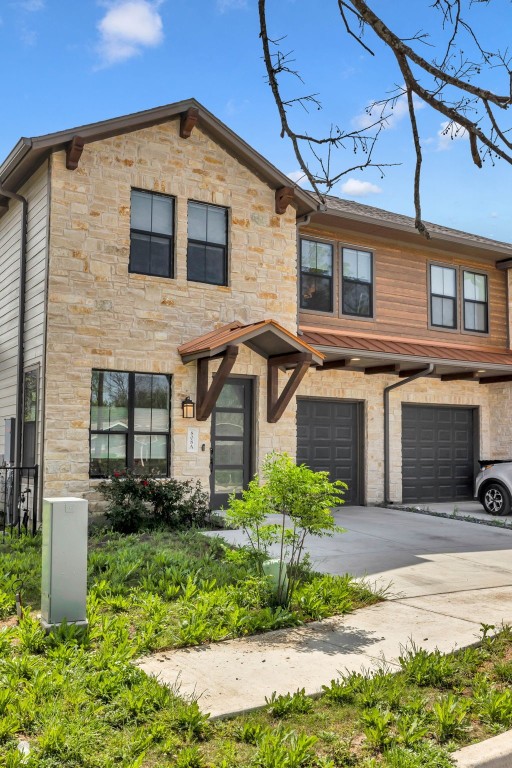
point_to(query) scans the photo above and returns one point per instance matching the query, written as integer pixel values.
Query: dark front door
(437, 453)
(231, 459)
(329, 439)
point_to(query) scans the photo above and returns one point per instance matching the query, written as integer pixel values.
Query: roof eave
(29, 153)
(492, 247)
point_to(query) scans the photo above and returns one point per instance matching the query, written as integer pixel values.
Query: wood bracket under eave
(284, 198)
(207, 394)
(276, 404)
(188, 122)
(74, 152)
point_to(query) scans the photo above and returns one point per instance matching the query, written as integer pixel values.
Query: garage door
(437, 453)
(328, 439)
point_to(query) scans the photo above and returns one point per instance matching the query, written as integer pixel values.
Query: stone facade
(101, 316)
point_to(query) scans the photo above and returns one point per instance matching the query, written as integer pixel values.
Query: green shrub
(303, 499)
(138, 501)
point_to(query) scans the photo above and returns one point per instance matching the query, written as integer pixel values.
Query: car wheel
(496, 500)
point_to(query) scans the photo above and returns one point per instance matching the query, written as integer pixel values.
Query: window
(475, 302)
(207, 244)
(151, 233)
(316, 276)
(30, 386)
(443, 296)
(129, 423)
(357, 283)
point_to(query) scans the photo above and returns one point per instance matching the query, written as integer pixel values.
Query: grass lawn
(78, 700)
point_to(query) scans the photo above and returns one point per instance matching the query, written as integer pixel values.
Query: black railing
(18, 499)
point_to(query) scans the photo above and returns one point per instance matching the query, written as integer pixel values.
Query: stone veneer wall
(353, 385)
(101, 316)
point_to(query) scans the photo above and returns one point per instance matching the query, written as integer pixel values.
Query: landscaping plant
(302, 498)
(137, 501)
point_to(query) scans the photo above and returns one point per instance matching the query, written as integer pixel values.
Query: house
(177, 306)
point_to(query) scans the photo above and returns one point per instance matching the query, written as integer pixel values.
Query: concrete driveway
(447, 578)
(417, 554)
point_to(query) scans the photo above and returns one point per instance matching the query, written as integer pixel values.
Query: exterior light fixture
(188, 407)
(481, 370)
(355, 359)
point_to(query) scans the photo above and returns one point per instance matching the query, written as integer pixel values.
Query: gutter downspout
(21, 320)
(387, 390)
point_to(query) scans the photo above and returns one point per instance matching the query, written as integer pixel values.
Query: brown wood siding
(401, 292)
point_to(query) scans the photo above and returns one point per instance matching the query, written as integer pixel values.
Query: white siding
(37, 193)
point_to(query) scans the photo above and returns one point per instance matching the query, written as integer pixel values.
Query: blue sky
(70, 63)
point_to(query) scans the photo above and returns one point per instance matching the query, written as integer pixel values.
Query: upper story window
(151, 233)
(443, 296)
(475, 302)
(129, 423)
(207, 243)
(357, 283)
(316, 262)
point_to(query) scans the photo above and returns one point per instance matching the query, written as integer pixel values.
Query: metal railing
(18, 499)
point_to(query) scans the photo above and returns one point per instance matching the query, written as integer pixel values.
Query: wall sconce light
(188, 408)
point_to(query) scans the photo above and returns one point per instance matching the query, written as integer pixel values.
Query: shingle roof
(352, 210)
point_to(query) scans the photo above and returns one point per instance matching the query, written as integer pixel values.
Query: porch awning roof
(266, 337)
(405, 353)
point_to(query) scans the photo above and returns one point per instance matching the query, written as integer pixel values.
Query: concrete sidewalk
(448, 577)
(237, 675)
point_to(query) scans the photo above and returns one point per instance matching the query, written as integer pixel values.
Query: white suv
(493, 486)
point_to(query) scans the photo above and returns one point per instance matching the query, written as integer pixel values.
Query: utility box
(64, 567)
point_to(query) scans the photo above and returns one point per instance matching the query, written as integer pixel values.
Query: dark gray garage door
(437, 453)
(328, 439)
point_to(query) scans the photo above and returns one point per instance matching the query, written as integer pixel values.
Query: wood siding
(37, 193)
(401, 291)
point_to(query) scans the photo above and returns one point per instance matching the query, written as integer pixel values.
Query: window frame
(213, 245)
(485, 303)
(433, 326)
(131, 432)
(171, 238)
(332, 278)
(342, 313)
(32, 370)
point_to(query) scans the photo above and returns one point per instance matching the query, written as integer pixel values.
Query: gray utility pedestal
(64, 572)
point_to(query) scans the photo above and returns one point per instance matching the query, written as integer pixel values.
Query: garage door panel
(437, 453)
(328, 440)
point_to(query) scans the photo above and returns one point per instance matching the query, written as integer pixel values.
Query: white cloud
(358, 188)
(448, 133)
(394, 114)
(230, 5)
(494, 215)
(32, 5)
(298, 177)
(127, 27)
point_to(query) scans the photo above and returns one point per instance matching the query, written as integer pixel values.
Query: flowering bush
(146, 501)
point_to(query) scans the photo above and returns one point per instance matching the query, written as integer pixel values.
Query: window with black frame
(443, 296)
(207, 260)
(316, 275)
(129, 423)
(30, 387)
(475, 302)
(357, 283)
(151, 234)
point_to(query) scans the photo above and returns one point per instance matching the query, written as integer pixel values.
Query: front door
(231, 459)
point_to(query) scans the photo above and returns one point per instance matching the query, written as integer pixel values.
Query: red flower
(144, 482)
(117, 474)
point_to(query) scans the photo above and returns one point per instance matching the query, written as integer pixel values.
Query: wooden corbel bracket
(74, 152)
(284, 198)
(276, 404)
(188, 122)
(206, 395)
